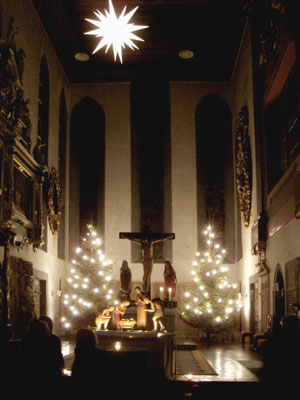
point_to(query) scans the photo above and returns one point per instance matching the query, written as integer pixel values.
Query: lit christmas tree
(212, 301)
(88, 284)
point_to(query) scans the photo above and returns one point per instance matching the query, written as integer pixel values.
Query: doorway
(39, 290)
(279, 296)
(254, 306)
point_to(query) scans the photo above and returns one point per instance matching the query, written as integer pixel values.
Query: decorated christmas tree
(88, 283)
(212, 301)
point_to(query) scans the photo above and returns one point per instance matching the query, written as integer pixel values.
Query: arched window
(43, 133)
(87, 163)
(215, 194)
(43, 108)
(61, 170)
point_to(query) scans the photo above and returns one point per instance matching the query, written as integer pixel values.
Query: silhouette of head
(48, 320)
(85, 338)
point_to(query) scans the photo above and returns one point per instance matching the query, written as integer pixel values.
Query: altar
(169, 318)
(156, 349)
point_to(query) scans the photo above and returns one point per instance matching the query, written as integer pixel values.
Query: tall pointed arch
(87, 165)
(43, 107)
(215, 190)
(151, 160)
(43, 134)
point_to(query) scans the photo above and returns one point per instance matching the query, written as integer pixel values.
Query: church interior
(195, 109)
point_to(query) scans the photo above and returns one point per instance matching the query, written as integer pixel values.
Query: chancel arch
(151, 161)
(87, 163)
(215, 188)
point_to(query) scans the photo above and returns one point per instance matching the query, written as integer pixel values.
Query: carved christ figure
(147, 240)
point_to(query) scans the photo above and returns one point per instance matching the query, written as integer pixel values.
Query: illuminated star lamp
(115, 31)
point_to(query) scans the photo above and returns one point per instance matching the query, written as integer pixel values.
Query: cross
(146, 240)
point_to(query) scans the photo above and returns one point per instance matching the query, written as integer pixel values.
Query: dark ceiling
(212, 29)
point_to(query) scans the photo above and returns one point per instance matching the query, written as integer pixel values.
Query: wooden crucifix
(146, 240)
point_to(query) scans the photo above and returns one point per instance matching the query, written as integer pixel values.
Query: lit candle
(161, 291)
(170, 295)
(117, 346)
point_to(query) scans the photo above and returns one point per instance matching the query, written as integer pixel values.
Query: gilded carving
(243, 165)
(54, 201)
(13, 107)
(269, 19)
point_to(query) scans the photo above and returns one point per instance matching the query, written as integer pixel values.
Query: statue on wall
(14, 107)
(170, 279)
(125, 279)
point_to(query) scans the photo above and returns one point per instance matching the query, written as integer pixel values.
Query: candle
(170, 295)
(161, 291)
(117, 346)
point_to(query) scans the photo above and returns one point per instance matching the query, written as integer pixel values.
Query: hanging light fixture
(115, 31)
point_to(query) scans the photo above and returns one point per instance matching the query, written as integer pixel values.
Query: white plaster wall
(184, 100)
(114, 98)
(243, 95)
(33, 39)
(283, 247)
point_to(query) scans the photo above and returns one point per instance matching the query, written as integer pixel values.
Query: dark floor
(238, 368)
(233, 362)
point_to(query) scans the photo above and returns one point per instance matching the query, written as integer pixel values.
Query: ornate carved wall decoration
(21, 300)
(13, 107)
(21, 182)
(243, 165)
(54, 201)
(214, 204)
(271, 31)
(268, 21)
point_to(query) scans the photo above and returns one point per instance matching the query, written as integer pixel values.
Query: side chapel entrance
(279, 296)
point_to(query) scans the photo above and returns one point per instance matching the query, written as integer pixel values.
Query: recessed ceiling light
(82, 57)
(186, 54)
